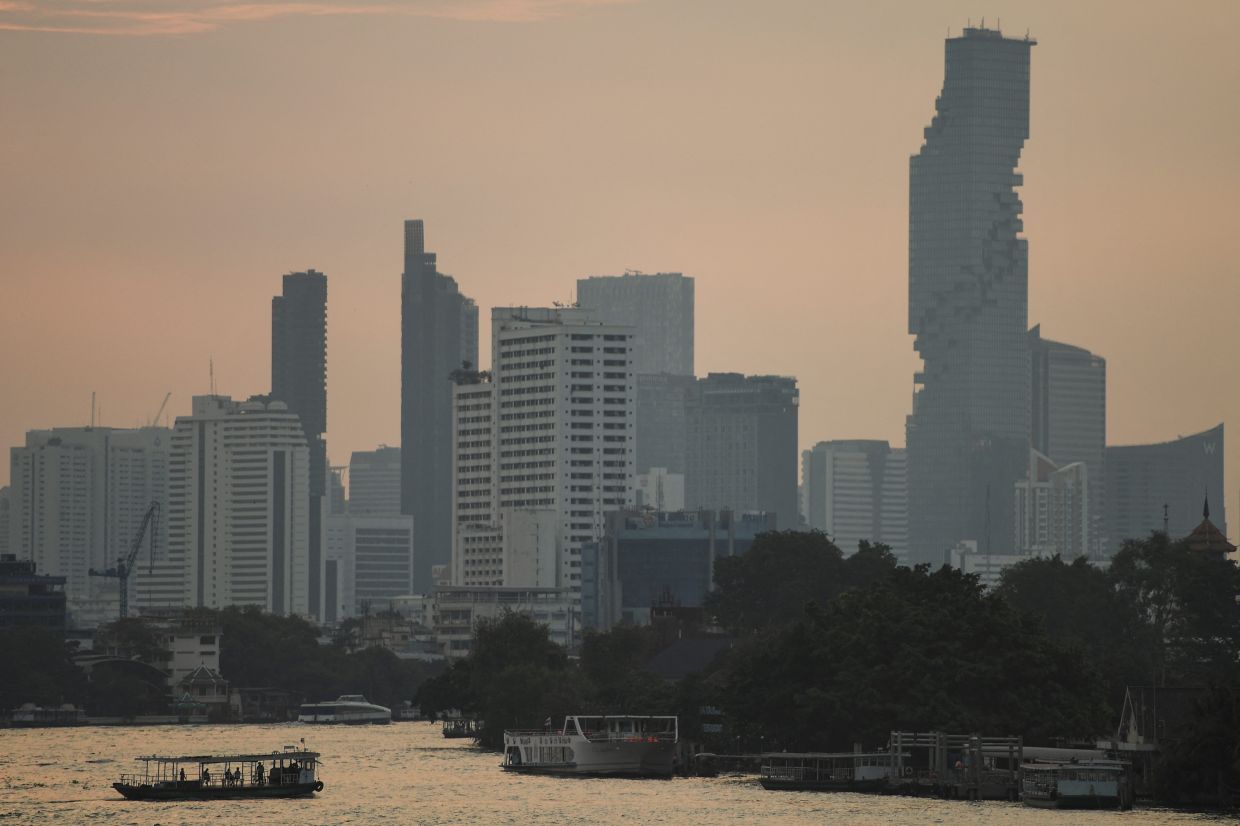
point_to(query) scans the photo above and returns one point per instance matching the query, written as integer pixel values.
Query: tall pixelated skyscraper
(968, 433)
(439, 332)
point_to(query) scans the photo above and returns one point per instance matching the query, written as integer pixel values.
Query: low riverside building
(458, 610)
(988, 567)
(656, 558)
(28, 598)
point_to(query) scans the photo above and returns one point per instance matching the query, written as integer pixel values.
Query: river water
(407, 773)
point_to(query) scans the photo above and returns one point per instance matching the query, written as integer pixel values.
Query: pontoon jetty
(596, 746)
(1086, 784)
(288, 773)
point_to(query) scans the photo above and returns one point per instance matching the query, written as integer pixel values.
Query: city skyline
(801, 241)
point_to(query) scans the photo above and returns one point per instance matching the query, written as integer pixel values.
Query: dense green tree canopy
(913, 650)
(782, 572)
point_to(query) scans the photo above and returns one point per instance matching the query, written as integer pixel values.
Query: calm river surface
(407, 773)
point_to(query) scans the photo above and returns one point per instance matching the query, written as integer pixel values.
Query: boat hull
(860, 786)
(193, 791)
(593, 759)
(1071, 802)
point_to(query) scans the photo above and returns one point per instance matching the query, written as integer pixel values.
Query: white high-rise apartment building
(858, 489)
(564, 423)
(77, 498)
(492, 546)
(238, 512)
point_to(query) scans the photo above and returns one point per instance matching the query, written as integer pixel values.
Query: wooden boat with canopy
(288, 773)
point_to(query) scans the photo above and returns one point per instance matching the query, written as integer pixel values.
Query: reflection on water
(407, 773)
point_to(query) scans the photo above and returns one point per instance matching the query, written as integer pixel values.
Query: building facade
(648, 559)
(238, 512)
(4, 521)
(564, 423)
(457, 610)
(370, 561)
(741, 450)
(658, 308)
(857, 489)
(77, 498)
(1053, 509)
(968, 433)
(28, 598)
(299, 379)
(439, 333)
(1161, 486)
(374, 481)
(1068, 415)
(662, 425)
(493, 546)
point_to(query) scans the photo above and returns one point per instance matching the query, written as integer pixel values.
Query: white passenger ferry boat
(596, 746)
(348, 708)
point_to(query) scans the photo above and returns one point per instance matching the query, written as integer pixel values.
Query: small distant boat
(290, 773)
(596, 746)
(407, 711)
(347, 709)
(1087, 784)
(455, 727)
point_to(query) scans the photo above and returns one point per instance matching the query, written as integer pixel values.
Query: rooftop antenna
(1166, 520)
(92, 408)
(211, 370)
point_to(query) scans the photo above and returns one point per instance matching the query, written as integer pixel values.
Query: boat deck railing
(598, 736)
(214, 782)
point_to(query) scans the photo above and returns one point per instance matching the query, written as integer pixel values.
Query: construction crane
(167, 396)
(124, 565)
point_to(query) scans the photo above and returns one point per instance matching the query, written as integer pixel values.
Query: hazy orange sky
(166, 161)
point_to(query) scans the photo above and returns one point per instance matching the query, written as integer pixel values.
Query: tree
(518, 677)
(1189, 599)
(1079, 604)
(913, 650)
(774, 579)
(613, 664)
(132, 639)
(782, 572)
(38, 669)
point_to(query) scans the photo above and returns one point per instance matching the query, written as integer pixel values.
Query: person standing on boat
(258, 774)
(182, 775)
(206, 777)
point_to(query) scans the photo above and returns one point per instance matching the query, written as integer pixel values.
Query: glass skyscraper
(438, 333)
(968, 433)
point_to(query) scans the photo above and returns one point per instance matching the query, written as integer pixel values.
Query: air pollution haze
(166, 163)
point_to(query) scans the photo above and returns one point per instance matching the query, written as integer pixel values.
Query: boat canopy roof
(624, 716)
(824, 755)
(1092, 765)
(233, 758)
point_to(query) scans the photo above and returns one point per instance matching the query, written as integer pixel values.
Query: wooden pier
(931, 764)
